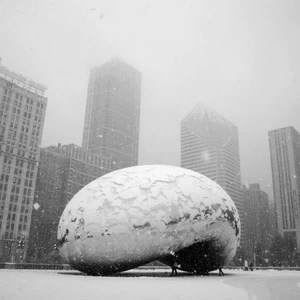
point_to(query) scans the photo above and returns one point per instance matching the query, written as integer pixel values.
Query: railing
(33, 266)
(263, 268)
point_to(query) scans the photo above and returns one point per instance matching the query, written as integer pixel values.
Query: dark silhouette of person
(174, 267)
(221, 273)
(251, 266)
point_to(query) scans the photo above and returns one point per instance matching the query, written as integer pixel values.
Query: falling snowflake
(36, 206)
(205, 156)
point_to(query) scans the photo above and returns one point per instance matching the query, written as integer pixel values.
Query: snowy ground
(148, 284)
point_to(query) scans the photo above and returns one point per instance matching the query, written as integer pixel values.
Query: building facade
(62, 172)
(285, 161)
(272, 220)
(210, 146)
(257, 234)
(22, 115)
(112, 117)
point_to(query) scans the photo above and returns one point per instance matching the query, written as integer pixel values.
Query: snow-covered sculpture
(135, 215)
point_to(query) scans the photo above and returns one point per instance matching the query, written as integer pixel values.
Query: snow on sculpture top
(138, 196)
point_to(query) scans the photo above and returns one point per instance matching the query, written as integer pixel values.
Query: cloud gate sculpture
(136, 215)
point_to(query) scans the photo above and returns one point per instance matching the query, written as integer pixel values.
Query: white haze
(241, 58)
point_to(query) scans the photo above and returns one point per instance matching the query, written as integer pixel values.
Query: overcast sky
(240, 58)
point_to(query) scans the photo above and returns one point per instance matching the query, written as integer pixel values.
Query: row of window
(85, 157)
(27, 115)
(4, 108)
(9, 234)
(4, 178)
(11, 225)
(29, 101)
(23, 142)
(24, 209)
(12, 134)
(7, 168)
(15, 189)
(21, 153)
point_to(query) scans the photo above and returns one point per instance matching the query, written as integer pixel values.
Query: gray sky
(240, 58)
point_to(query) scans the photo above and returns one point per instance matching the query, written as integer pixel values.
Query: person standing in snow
(251, 266)
(221, 273)
(174, 267)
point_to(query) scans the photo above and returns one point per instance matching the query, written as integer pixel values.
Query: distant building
(112, 117)
(22, 115)
(272, 220)
(285, 161)
(257, 236)
(210, 146)
(62, 172)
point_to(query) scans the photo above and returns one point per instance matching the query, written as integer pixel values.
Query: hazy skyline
(241, 59)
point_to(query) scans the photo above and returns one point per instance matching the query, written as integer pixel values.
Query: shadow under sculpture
(136, 215)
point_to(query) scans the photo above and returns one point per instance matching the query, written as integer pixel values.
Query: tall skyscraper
(257, 235)
(210, 146)
(62, 172)
(111, 126)
(285, 161)
(22, 115)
